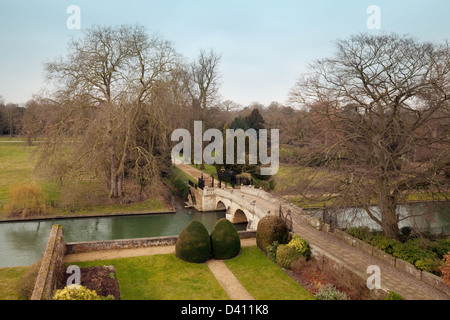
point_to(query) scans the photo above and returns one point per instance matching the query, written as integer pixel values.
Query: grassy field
(10, 281)
(17, 166)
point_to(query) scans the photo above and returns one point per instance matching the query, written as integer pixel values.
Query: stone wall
(90, 246)
(334, 266)
(400, 264)
(51, 266)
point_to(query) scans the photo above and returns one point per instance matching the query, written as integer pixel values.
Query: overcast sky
(265, 45)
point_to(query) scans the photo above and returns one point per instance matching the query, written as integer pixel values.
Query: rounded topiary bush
(286, 255)
(271, 229)
(225, 241)
(193, 243)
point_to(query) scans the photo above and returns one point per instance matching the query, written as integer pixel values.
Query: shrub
(445, 269)
(432, 265)
(329, 292)
(394, 296)
(26, 200)
(271, 228)
(286, 255)
(28, 281)
(385, 244)
(300, 245)
(193, 244)
(76, 292)
(272, 251)
(225, 241)
(361, 233)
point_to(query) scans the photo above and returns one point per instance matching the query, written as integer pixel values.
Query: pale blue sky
(265, 45)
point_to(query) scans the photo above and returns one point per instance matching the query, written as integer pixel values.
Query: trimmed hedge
(225, 241)
(270, 229)
(193, 243)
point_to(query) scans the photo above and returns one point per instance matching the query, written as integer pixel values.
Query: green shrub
(329, 292)
(300, 245)
(394, 296)
(385, 244)
(271, 228)
(361, 233)
(286, 255)
(272, 251)
(432, 265)
(193, 243)
(76, 292)
(225, 241)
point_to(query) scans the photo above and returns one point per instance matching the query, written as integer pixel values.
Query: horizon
(265, 45)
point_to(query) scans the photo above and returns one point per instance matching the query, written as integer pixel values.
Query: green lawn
(264, 279)
(163, 277)
(17, 166)
(9, 282)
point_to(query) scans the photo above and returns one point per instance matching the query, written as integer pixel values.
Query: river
(23, 243)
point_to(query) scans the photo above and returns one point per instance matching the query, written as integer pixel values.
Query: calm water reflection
(23, 243)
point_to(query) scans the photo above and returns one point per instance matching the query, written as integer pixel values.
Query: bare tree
(205, 75)
(106, 82)
(372, 106)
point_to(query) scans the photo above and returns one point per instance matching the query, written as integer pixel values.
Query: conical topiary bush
(225, 241)
(193, 243)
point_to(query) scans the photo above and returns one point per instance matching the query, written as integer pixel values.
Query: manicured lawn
(263, 278)
(163, 277)
(9, 282)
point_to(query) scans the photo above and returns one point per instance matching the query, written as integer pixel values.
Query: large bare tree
(379, 118)
(104, 85)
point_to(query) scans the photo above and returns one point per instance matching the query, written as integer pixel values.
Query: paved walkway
(391, 278)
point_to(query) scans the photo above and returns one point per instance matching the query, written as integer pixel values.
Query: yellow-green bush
(76, 292)
(26, 200)
(286, 255)
(300, 245)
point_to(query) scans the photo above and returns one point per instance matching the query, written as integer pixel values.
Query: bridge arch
(220, 206)
(239, 216)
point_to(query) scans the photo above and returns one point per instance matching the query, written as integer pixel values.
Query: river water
(432, 217)
(23, 243)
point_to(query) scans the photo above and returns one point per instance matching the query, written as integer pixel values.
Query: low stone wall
(335, 266)
(286, 205)
(51, 266)
(90, 246)
(400, 264)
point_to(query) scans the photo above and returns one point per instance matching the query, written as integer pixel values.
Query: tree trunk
(387, 204)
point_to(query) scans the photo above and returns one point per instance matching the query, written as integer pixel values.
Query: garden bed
(102, 279)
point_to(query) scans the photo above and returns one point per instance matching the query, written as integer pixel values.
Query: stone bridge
(244, 205)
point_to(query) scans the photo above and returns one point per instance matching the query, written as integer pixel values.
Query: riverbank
(89, 215)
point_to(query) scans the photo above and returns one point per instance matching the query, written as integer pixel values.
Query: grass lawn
(17, 166)
(263, 278)
(9, 282)
(163, 277)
